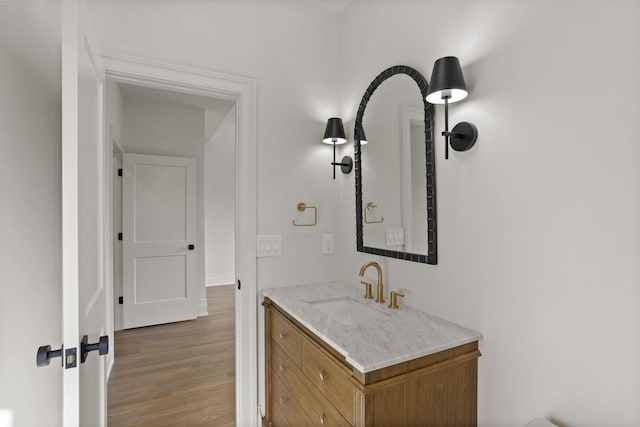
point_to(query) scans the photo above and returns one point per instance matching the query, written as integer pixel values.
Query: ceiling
(337, 6)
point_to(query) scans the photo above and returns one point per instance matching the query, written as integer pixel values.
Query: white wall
(220, 203)
(163, 129)
(539, 223)
(30, 137)
(290, 48)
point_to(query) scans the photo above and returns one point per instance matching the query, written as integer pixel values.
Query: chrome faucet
(380, 293)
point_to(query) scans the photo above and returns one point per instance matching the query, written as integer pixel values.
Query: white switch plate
(269, 245)
(327, 244)
(395, 236)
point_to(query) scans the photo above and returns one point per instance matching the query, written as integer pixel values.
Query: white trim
(408, 114)
(198, 81)
(117, 145)
(202, 310)
(221, 279)
(116, 181)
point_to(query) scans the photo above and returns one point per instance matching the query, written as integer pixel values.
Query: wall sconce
(361, 136)
(447, 86)
(334, 134)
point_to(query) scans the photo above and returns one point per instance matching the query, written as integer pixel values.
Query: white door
(159, 239)
(84, 299)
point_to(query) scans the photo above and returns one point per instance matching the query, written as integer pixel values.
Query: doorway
(175, 238)
(240, 92)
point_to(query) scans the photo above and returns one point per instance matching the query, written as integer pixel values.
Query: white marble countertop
(397, 336)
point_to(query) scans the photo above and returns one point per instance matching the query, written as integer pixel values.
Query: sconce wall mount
(447, 85)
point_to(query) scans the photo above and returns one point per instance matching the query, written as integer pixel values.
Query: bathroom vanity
(335, 358)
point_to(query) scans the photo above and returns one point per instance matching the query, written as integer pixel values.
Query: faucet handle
(368, 292)
(394, 299)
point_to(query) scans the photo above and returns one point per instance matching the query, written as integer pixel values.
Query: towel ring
(371, 206)
(303, 207)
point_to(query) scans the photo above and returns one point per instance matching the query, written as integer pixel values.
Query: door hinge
(119, 172)
(239, 284)
(119, 236)
(120, 300)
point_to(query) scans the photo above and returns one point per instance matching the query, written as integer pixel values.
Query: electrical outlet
(327, 244)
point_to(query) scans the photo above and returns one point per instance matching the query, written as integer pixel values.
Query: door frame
(197, 81)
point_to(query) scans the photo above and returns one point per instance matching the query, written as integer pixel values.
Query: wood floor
(178, 374)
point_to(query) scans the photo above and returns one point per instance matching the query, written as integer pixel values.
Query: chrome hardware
(282, 336)
(323, 375)
(283, 400)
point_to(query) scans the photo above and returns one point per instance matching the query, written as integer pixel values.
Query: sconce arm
(452, 134)
(346, 165)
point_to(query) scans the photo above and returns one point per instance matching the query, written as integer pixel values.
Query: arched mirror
(395, 168)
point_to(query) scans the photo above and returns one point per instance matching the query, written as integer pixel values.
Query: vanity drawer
(277, 418)
(317, 408)
(285, 406)
(286, 335)
(328, 377)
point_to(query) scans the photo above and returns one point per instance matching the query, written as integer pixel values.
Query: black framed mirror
(395, 174)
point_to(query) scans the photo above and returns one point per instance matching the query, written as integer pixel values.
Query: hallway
(177, 374)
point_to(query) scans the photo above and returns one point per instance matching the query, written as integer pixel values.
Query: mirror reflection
(396, 205)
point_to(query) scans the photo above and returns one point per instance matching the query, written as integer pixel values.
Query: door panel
(159, 269)
(160, 200)
(83, 226)
(160, 278)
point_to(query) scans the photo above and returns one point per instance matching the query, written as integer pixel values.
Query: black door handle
(102, 346)
(191, 247)
(45, 354)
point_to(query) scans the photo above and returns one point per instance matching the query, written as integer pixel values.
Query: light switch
(269, 245)
(395, 236)
(327, 244)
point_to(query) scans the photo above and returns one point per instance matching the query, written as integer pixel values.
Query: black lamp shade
(334, 133)
(361, 136)
(446, 82)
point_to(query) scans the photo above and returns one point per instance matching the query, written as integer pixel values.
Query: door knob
(102, 346)
(192, 247)
(45, 354)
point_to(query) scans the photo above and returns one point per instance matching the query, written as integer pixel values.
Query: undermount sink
(347, 310)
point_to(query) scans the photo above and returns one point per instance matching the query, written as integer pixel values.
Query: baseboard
(202, 308)
(221, 279)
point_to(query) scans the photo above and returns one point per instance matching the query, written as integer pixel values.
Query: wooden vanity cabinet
(308, 383)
